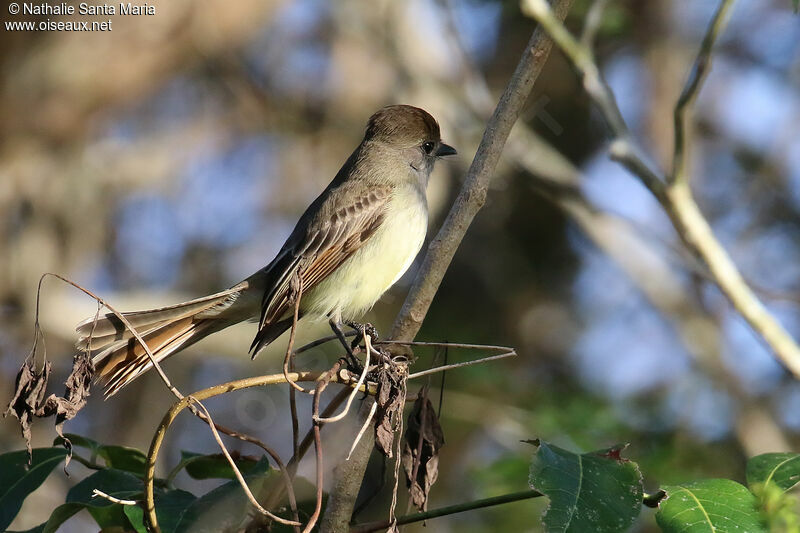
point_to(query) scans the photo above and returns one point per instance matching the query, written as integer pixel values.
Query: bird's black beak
(445, 149)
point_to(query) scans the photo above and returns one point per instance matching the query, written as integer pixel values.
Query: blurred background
(170, 158)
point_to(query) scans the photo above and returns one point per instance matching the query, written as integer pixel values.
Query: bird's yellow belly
(353, 288)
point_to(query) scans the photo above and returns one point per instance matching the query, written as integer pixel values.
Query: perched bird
(351, 244)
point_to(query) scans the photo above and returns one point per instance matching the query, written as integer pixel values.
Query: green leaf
(135, 516)
(107, 514)
(107, 480)
(124, 458)
(18, 480)
(597, 491)
(708, 506)
(61, 514)
(170, 505)
(79, 441)
(117, 457)
(215, 466)
(783, 469)
(224, 508)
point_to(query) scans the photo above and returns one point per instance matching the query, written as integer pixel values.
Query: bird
(352, 243)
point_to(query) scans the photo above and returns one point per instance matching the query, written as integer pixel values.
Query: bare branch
(288, 360)
(444, 511)
(702, 64)
(348, 476)
(322, 340)
(353, 394)
(583, 60)
(285, 476)
(321, 384)
(276, 495)
(237, 472)
(96, 493)
(473, 192)
(184, 403)
(593, 19)
(372, 410)
(288, 365)
(675, 197)
(127, 325)
(434, 370)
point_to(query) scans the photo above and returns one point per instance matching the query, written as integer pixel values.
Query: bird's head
(409, 134)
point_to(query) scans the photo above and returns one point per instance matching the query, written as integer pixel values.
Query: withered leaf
(390, 400)
(30, 387)
(29, 390)
(78, 386)
(423, 439)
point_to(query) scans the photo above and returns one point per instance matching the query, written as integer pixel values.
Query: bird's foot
(337, 330)
(367, 328)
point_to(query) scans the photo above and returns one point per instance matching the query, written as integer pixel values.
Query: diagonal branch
(702, 64)
(348, 476)
(473, 192)
(675, 195)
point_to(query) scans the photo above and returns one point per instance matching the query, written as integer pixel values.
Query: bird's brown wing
(340, 227)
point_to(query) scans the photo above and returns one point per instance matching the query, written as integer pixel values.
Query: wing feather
(314, 255)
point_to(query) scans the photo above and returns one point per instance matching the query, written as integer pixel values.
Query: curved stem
(444, 511)
(185, 402)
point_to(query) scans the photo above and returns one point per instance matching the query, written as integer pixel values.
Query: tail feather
(100, 343)
(119, 358)
(269, 333)
(127, 362)
(110, 324)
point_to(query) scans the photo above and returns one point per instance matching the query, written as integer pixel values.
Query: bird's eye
(428, 146)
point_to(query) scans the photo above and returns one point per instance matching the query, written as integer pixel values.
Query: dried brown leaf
(390, 400)
(424, 437)
(31, 385)
(29, 390)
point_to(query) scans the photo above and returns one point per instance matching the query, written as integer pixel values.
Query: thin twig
(449, 345)
(444, 511)
(700, 69)
(100, 494)
(372, 410)
(317, 424)
(287, 480)
(290, 360)
(236, 470)
(675, 197)
(276, 495)
(184, 403)
(650, 500)
(354, 393)
(289, 355)
(594, 84)
(592, 23)
(451, 366)
(164, 378)
(398, 437)
(323, 340)
(305, 444)
(129, 327)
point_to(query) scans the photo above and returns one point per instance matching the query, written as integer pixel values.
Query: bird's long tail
(119, 358)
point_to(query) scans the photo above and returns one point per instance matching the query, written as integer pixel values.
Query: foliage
(121, 477)
(597, 491)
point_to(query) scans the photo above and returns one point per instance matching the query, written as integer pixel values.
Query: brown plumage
(350, 245)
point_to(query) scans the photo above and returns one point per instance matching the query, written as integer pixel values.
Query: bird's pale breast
(354, 287)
